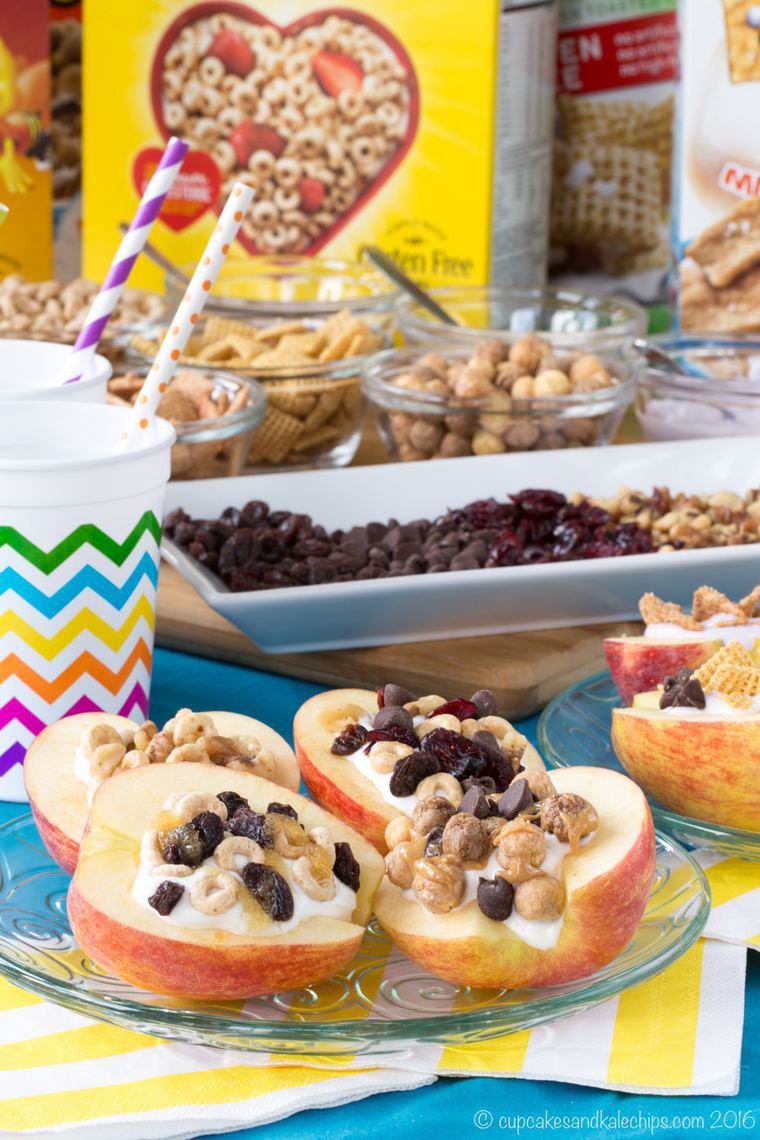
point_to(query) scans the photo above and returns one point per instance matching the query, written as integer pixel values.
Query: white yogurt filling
(715, 705)
(235, 920)
(714, 630)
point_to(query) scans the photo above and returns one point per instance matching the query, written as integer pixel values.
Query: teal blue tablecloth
(462, 1107)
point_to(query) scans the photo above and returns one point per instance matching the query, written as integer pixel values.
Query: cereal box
(617, 65)
(425, 129)
(25, 177)
(66, 134)
(717, 230)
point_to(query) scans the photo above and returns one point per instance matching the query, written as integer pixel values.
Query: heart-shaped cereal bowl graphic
(316, 115)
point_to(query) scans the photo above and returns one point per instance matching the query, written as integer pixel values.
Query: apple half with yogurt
(674, 640)
(70, 759)
(694, 744)
(206, 882)
(368, 756)
(538, 886)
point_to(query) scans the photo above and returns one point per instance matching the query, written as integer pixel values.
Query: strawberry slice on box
(312, 193)
(236, 55)
(248, 137)
(336, 73)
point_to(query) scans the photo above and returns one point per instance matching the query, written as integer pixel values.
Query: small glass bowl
(217, 446)
(417, 424)
(284, 288)
(716, 390)
(569, 320)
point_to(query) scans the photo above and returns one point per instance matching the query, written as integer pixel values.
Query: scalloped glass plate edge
(599, 693)
(674, 921)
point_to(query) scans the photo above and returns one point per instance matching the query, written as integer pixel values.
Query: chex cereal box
(617, 63)
(717, 223)
(423, 128)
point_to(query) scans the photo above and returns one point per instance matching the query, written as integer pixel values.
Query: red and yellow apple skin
(706, 767)
(58, 798)
(138, 945)
(607, 887)
(334, 781)
(638, 664)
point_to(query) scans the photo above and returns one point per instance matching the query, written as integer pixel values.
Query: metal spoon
(655, 356)
(391, 270)
(163, 262)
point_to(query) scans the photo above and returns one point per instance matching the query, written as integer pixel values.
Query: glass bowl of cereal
(713, 389)
(441, 405)
(266, 288)
(568, 319)
(311, 371)
(215, 416)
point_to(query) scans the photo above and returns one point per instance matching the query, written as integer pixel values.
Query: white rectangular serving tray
(466, 602)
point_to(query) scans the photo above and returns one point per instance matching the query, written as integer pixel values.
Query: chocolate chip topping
(682, 691)
(485, 703)
(475, 802)
(434, 845)
(393, 716)
(495, 897)
(517, 798)
(396, 695)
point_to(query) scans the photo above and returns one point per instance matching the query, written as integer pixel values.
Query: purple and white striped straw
(127, 254)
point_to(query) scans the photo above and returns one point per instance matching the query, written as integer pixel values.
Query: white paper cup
(79, 552)
(32, 370)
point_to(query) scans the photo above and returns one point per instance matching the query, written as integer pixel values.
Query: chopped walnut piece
(654, 611)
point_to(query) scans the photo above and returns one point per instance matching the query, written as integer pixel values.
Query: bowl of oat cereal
(310, 369)
(567, 319)
(214, 414)
(442, 405)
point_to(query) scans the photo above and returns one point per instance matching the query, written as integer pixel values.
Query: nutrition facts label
(522, 145)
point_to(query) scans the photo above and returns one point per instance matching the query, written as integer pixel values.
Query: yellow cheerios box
(423, 128)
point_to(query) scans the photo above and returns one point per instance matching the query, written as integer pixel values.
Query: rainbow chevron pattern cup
(80, 526)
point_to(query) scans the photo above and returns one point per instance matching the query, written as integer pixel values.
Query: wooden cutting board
(525, 670)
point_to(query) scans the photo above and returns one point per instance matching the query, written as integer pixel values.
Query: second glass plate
(379, 1006)
(574, 729)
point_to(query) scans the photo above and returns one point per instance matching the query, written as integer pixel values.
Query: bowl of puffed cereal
(215, 416)
(310, 369)
(497, 397)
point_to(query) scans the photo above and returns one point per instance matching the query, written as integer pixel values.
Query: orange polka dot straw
(192, 303)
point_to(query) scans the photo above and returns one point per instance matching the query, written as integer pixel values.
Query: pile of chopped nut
(430, 853)
(678, 521)
(452, 743)
(246, 854)
(188, 736)
(56, 307)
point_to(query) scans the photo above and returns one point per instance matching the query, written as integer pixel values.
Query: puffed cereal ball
(523, 388)
(552, 382)
(425, 437)
(486, 443)
(526, 352)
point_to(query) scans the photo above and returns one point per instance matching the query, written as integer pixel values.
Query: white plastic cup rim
(22, 361)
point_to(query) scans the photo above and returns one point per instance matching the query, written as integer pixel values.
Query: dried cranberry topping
(398, 733)
(350, 740)
(460, 708)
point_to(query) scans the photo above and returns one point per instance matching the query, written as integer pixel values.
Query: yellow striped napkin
(735, 888)
(63, 1072)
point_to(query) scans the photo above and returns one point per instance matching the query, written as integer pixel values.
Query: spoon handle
(391, 270)
(160, 260)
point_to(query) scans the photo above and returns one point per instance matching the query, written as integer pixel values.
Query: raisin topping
(166, 896)
(283, 809)
(495, 898)
(210, 829)
(682, 691)
(253, 825)
(411, 771)
(188, 842)
(232, 801)
(270, 890)
(346, 866)
(350, 740)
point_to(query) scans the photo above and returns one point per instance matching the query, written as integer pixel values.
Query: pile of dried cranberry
(256, 548)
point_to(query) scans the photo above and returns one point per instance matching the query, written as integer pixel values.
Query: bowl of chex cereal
(311, 372)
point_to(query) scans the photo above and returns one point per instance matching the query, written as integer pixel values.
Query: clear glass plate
(574, 729)
(379, 1007)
